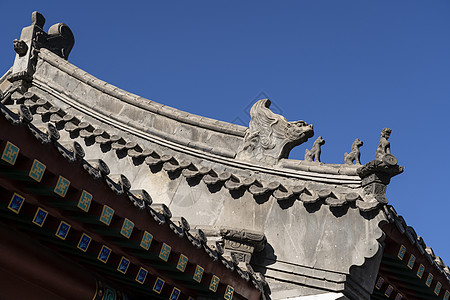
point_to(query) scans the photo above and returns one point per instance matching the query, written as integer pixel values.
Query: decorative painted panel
(37, 170)
(389, 291)
(16, 203)
(229, 293)
(447, 295)
(104, 253)
(379, 283)
(175, 294)
(63, 230)
(62, 186)
(85, 201)
(182, 262)
(142, 274)
(198, 274)
(123, 265)
(411, 261)
(107, 214)
(165, 252)
(10, 153)
(214, 283)
(399, 297)
(429, 280)
(146, 240)
(40, 216)
(401, 252)
(127, 228)
(437, 289)
(84, 242)
(159, 284)
(420, 271)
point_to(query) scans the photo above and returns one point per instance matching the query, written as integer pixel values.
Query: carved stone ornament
(355, 154)
(314, 153)
(20, 47)
(384, 146)
(271, 137)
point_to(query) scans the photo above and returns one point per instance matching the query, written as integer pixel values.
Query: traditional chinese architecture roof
(261, 222)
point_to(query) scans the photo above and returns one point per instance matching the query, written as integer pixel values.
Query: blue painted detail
(411, 261)
(123, 265)
(159, 284)
(182, 262)
(437, 289)
(10, 153)
(104, 253)
(165, 252)
(429, 279)
(420, 271)
(175, 294)
(127, 228)
(84, 242)
(214, 283)
(401, 252)
(85, 201)
(16, 203)
(63, 230)
(107, 214)
(229, 293)
(40, 216)
(62, 186)
(37, 170)
(398, 297)
(146, 240)
(447, 295)
(142, 274)
(389, 291)
(110, 294)
(379, 283)
(198, 274)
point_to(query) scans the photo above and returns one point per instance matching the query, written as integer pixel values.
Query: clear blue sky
(349, 67)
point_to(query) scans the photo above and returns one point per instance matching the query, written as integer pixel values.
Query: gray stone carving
(20, 47)
(271, 137)
(314, 153)
(355, 154)
(384, 146)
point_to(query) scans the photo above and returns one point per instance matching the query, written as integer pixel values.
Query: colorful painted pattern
(16, 203)
(159, 284)
(84, 242)
(10, 153)
(389, 291)
(63, 230)
(142, 274)
(40, 216)
(104, 253)
(398, 297)
(198, 274)
(420, 271)
(175, 294)
(62, 186)
(411, 261)
(447, 295)
(127, 228)
(429, 279)
(123, 265)
(379, 283)
(437, 289)
(37, 170)
(85, 201)
(146, 240)
(107, 214)
(229, 293)
(165, 252)
(401, 252)
(214, 283)
(182, 263)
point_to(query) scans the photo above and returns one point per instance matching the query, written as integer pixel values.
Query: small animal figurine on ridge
(384, 146)
(354, 155)
(314, 153)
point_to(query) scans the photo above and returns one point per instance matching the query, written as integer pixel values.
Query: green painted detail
(127, 228)
(214, 283)
(85, 201)
(37, 170)
(198, 274)
(62, 186)
(229, 293)
(165, 252)
(10, 153)
(182, 262)
(107, 214)
(146, 240)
